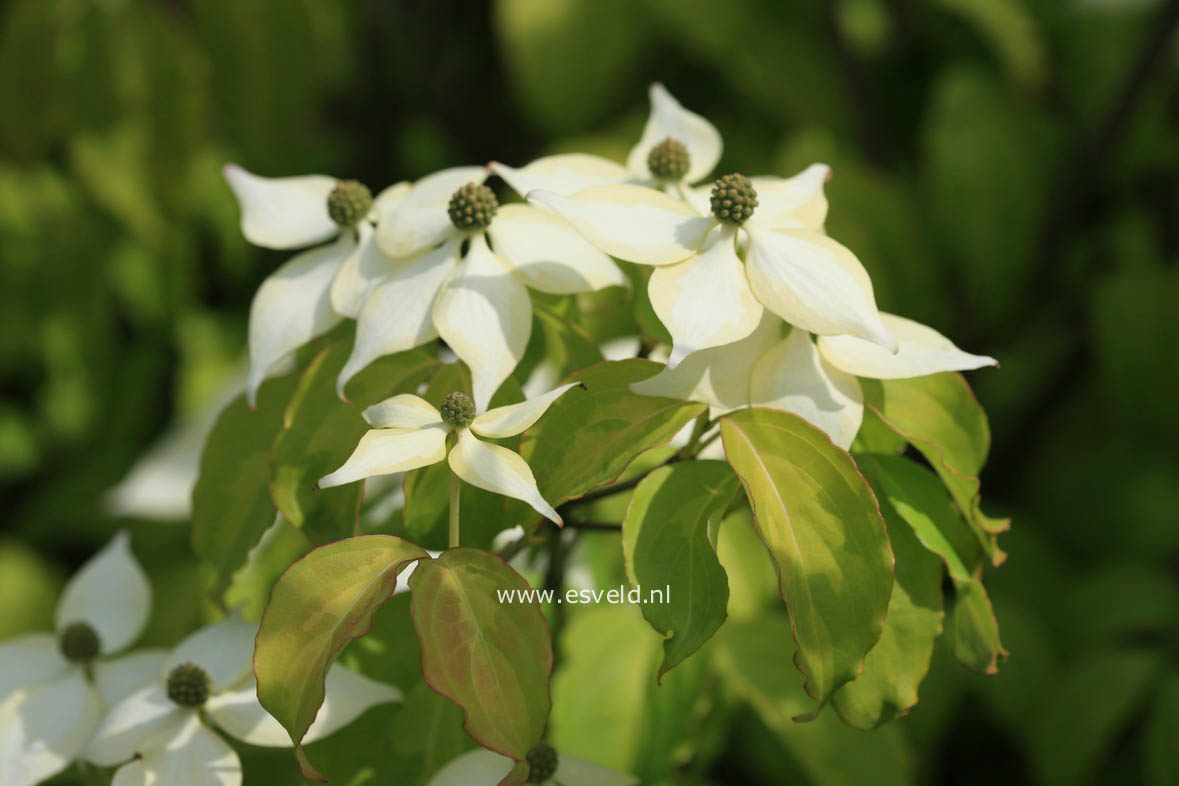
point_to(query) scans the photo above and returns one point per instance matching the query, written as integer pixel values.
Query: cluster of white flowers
(745, 278)
(72, 696)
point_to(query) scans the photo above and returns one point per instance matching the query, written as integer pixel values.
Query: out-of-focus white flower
(761, 247)
(302, 299)
(162, 733)
(678, 147)
(408, 432)
(814, 379)
(482, 767)
(53, 688)
(451, 261)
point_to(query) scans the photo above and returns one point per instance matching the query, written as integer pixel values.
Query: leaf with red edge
(490, 656)
(322, 602)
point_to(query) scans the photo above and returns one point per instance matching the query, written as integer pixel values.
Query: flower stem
(454, 510)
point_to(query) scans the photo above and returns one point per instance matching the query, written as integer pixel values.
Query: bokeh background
(1007, 171)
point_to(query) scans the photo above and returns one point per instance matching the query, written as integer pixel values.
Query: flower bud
(733, 199)
(188, 685)
(543, 761)
(349, 202)
(669, 160)
(457, 410)
(472, 207)
(79, 643)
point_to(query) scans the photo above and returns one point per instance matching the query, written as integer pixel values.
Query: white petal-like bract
(631, 222)
(419, 221)
(291, 307)
(485, 315)
(510, 420)
(922, 351)
(44, 728)
(498, 470)
(404, 411)
(283, 212)
(118, 678)
(705, 301)
(564, 173)
(814, 283)
(398, 313)
(141, 722)
(28, 660)
(668, 118)
(111, 594)
(387, 450)
(549, 254)
(225, 650)
(792, 377)
(194, 756)
(792, 202)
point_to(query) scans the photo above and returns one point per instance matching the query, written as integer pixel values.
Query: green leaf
(972, 631)
(490, 657)
(748, 658)
(895, 667)
(322, 602)
(567, 346)
(665, 543)
(230, 504)
(939, 415)
(918, 498)
(1084, 711)
(607, 706)
(587, 440)
(320, 432)
(1160, 753)
(820, 522)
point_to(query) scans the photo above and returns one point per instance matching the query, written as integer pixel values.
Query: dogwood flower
(453, 262)
(678, 147)
(163, 733)
(53, 688)
(481, 767)
(815, 379)
(761, 247)
(408, 432)
(303, 299)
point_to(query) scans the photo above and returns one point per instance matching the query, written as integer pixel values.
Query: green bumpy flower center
(79, 643)
(543, 761)
(349, 202)
(472, 207)
(733, 199)
(188, 685)
(457, 410)
(669, 160)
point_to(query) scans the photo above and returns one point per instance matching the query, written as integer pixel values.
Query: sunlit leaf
(665, 542)
(821, 524)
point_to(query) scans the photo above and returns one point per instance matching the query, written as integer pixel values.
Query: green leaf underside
(322, 602)
(321, 431)
(917, 497)
(939, 415)
(748, 658)
(893, 671)
(588, 439)
(231, 508)
(820, 522)
(491, 658)
(665, 543)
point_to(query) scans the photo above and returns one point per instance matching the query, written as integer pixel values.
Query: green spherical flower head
(349, 202)
(79, 643)
(472, 207)
(669, 160)
(188, 685)
(457, 410)
(733, 199)
(543, 761)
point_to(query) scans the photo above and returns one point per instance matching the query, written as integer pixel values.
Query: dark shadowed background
(1007, 171)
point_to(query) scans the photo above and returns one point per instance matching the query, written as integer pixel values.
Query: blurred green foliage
(1007, 170)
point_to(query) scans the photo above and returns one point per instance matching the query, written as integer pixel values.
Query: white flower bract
(482, 767)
